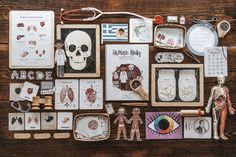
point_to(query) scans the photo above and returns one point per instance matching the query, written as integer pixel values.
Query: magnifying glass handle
(142, 93)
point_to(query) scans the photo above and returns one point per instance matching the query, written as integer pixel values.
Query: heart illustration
(18, 90)
(30, 90)
(42, 23)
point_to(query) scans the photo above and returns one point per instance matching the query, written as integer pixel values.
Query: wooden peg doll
(60, 57)
(136, 119)
(121, 120)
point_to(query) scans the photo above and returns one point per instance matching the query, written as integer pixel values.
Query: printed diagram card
(91, 94)
(66, 95)
(16, 121)
(15, 90)
(31, 39)
(126, 63)
(114, 32)
(29, 90)
(64, 120)
(197, 127)
(141, 31)
(48, 121)
(163, 125)
(32, 121)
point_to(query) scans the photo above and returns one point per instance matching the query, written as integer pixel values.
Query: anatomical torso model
(219, 101)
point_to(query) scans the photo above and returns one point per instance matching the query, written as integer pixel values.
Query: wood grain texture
(70, 147)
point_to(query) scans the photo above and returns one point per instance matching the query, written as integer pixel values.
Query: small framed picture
(114, 32)
(177, 85)
(91, 94)
(82, 48)
(141, 31)
(31, 39)
(66, 94)
(197, 127)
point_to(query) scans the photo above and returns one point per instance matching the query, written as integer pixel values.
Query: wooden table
(70, 147)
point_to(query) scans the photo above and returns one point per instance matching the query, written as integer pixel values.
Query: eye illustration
(163, 125)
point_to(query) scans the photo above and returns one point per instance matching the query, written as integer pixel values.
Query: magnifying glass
(136, 86)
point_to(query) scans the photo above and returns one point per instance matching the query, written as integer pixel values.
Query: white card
(197, 127)
(16, 121)
(91, 94)
(126, 62)
(66, 95)
(64, 120)
(15, 90)
(48, 121)
(215, 61)
(141, 31)
(29, 90)
(32, 121)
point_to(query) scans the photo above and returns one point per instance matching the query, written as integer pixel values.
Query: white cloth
(60, 57)
(123, 76)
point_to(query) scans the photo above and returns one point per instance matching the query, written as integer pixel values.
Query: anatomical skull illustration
(78, 49)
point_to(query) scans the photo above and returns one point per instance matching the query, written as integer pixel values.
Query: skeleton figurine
(121, 120)
(135, 125)
(78, 48)
(219, 100)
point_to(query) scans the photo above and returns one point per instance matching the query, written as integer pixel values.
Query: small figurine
(135, 125)
(219, 100)
(121, 120)
(60, 57)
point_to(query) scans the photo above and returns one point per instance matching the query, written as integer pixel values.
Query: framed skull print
(82, 49)
(177, 85)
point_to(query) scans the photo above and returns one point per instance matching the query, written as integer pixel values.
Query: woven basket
(95, 138)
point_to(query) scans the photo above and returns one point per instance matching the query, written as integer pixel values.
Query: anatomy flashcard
(91, 94)
(64, 120)
(16, 121)
(48, 121)
(29, 90)
(66, 95)
(32, 121)
(15, 90)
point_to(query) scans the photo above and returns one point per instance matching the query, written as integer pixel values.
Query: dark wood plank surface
(70, 147)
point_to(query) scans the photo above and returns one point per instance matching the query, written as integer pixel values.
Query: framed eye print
(66, 94)
(31, 39)
(197, 127)
(91, 94)
(82, 48)
(177, 85)
(127, 72)
(163, 125)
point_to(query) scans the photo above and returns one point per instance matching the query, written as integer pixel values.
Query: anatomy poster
(163, 125)
(66, 95)
(31, 39)
(91, 94)
(124, 64)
